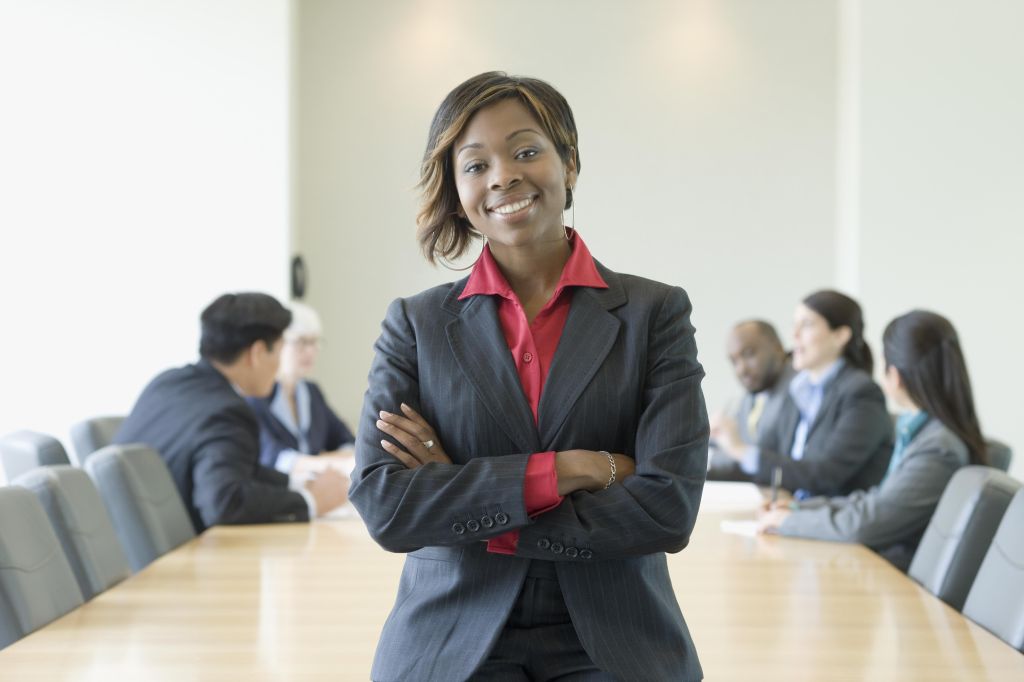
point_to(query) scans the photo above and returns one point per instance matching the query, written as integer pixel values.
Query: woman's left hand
(419, 442)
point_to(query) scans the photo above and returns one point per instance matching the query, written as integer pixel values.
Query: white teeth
(512, 208)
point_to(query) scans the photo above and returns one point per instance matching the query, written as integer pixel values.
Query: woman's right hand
(421, 443)
(589, 470)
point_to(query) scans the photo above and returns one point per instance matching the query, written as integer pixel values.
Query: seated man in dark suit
(197, 418)
(764, 369)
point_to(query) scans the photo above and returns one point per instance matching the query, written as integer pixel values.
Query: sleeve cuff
(310, 502)
(540, 494)
(286, 460)
(751, 460)
(540, 486)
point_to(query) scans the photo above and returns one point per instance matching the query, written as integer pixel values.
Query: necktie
(756, 410)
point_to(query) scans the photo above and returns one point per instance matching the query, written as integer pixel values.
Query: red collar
(579, 271)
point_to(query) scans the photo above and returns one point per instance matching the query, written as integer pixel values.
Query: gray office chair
(148, 514)
(82, 525)
(23, 451)
(36, 582)
(92, 434)
(960, 531)
(999, 454)
(996, 600)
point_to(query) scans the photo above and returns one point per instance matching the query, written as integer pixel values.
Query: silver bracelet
(611, 463)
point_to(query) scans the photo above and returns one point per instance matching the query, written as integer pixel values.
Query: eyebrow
(477, 145)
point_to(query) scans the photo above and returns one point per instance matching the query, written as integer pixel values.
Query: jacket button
(571, 552)
(502, 518)
(486, 521)
(473, 525)
(556, 547)
(585, 554)
(458, 528)
(543, 543)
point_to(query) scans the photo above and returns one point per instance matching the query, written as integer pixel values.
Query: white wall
(941, 178)
(144, 170)
(707, 134)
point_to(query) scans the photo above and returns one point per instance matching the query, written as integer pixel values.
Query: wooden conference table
(307, 601)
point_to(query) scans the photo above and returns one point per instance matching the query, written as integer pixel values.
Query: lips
(512, 206)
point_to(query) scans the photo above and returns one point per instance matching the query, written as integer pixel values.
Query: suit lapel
(830, 396)
(481, 352)
(789, 419)
(589, 334)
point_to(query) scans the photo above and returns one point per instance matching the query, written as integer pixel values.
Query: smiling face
(815, 344)
(298, 357)
(510, 177)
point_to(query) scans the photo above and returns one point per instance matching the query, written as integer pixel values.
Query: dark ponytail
(839, 310)
(925, 349)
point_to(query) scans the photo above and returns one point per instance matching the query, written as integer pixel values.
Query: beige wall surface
(143, 171)
(154, 154)
(707, 135)
(942, 184)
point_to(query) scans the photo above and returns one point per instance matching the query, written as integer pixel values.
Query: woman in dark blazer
(936, 434)
(833, 434)
(534, 435)
(298, 430)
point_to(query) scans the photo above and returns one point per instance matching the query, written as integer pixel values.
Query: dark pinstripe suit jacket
(625, 378)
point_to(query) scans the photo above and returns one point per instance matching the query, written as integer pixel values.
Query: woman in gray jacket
(936, 434)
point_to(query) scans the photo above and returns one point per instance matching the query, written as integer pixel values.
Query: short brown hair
(442, 233)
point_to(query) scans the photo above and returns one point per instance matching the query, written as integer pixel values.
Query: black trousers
(539, 641)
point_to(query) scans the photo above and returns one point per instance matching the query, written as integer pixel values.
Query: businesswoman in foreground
(534, 435)
(936, 434)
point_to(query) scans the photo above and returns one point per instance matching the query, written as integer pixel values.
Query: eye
(527, 153)
(473, 167)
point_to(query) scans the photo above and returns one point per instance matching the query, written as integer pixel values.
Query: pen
(776, 482)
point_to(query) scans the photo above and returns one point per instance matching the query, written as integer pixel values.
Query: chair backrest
(23, 451)
(82, 525)
(36, 582)
(996, 600)
(149, 517)
(999, 454)
(960, 531)
(92, 434)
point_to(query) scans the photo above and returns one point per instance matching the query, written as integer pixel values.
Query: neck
(288, 384)
(533, 269)
(817, 373)
(908, 405)
(234, 373)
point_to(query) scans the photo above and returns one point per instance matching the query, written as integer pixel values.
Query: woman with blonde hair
(299, 432)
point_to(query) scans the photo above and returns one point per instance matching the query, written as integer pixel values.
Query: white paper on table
(723, 496)
(747, 529)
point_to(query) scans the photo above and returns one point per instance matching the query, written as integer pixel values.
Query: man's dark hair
(765, 329)
(234, 322)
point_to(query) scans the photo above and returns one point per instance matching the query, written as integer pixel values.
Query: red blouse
(533, 347)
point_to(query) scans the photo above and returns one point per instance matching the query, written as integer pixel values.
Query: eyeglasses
(307, 341)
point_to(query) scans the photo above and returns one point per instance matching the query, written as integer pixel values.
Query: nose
(504, 175)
